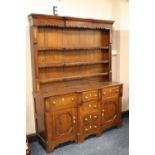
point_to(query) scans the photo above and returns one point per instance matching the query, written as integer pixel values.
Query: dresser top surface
(75, 88)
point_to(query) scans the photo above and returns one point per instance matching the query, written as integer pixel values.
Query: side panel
(40, 118)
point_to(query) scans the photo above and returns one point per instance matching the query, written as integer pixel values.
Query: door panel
(109, 109)
(64, 123)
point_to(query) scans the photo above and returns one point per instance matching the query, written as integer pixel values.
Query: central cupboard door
(64, 123)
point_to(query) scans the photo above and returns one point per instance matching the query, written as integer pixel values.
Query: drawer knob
(95, 95)
(90, 126)
(103, 110)
(54, 102)
(86, 97)
(74, 121)
(72, 99)
(104, 92)
(89, 94)
(90, 116)
(86, 119)
(95, 116)
(95, 106)
(63, 99)
(89, 105)
(74, 117)
(95, 126)
(102, 114)
(86, 129)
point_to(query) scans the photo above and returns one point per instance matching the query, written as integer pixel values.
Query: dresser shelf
(72, 64)
(41, 49)
(72, 77)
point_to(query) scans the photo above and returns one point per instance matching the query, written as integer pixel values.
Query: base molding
(33, 137)
(125, 113)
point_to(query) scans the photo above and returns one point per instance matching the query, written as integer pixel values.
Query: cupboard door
(64, 123)
(110, 110)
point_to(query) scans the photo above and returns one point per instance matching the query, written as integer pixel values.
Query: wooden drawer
(90, 95)
(90, 106)
(110, 91)
(90, 118)
(64, 101)
(87, 129)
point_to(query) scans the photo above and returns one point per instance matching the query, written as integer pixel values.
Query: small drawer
(90, 95)
(90, 118)
(90, 128)
(90, 106)
(63, 100)
(110, 91)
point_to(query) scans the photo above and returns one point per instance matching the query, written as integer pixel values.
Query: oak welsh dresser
(74, 95)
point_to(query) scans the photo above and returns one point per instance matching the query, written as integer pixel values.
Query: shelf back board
(59, 37)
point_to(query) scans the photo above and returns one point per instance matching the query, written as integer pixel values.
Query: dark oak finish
(74, 96)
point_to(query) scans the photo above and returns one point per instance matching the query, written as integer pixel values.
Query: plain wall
(121, 43)
(97, 9)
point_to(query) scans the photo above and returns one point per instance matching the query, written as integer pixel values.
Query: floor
(113, 142)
